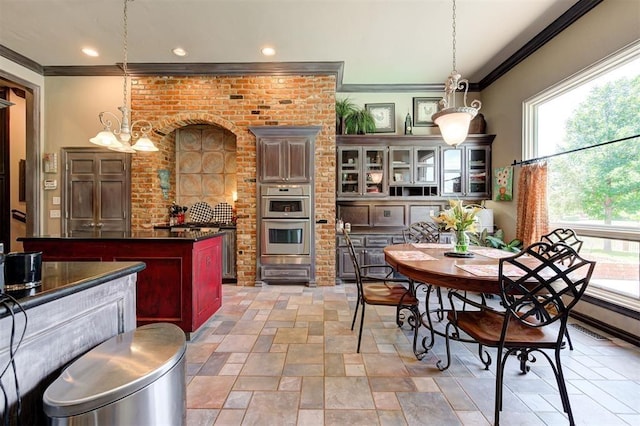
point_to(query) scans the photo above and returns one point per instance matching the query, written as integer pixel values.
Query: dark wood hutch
(384, 183)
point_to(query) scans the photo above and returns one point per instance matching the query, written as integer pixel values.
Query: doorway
(28, 95)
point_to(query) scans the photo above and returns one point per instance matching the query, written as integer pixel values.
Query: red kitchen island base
(182, 281)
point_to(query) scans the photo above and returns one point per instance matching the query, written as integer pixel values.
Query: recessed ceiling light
(179, 51)
(268, 51)
(90, 52)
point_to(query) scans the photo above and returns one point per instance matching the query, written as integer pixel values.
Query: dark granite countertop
(60, 279)
(155, 234)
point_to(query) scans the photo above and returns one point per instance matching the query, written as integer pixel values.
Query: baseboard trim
(607, 328)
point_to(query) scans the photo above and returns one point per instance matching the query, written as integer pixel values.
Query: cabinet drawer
(377, 240)
(286, 272)
(355, 215)
(397, 239)
(356, 240)
(388, 215)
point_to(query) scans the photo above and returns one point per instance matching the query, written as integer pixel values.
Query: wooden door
(97, 190)
(273, 161)
(297, 159)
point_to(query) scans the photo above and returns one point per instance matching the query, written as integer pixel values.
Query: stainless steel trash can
(133, 379)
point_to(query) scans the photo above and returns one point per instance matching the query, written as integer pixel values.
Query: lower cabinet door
(207, 280)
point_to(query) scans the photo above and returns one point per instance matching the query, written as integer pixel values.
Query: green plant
(344, 108)
(360, 121)
(496, 240)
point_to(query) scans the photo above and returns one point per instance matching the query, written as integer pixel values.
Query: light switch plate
(56, 201)
(53, 214)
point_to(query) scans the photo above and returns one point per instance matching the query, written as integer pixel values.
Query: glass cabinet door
(425, 165)
(452, 171)
(349, 169)
(374, 171)
(478, 171)
(400, 160)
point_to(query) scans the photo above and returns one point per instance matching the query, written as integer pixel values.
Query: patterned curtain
(533, 214)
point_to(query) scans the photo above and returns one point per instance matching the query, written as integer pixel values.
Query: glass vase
(460, 240)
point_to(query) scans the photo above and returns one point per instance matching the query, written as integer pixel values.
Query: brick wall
(235, 103)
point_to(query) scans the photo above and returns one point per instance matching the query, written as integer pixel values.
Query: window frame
(611, 62)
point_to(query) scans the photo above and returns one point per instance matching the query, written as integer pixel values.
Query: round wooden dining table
(427, 263)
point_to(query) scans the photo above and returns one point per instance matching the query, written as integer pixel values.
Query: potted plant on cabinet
(360, 122)
(344, 108)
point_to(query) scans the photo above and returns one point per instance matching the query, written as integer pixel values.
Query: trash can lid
(115, 369)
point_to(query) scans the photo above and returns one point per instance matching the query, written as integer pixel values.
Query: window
(595, 191)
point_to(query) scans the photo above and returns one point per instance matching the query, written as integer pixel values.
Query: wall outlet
(56, 201)
(53, 214)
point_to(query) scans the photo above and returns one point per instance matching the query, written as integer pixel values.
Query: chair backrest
(543, 282)
(566, 236)
(354, 260)
(421, 232)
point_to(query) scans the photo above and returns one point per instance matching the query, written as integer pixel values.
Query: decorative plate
(222, 213)
(200, 212)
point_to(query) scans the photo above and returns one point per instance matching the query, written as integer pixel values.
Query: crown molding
(19, 59)
(565, 20)
(397, 88)
(203, 68)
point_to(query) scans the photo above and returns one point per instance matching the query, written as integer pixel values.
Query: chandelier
(454, 120)
(119, 139)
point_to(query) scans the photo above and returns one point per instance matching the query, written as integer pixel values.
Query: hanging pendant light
(120, 139)
(454, 120)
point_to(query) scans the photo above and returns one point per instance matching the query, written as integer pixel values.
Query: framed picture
(384, 115)
(503, 183)
(423, 109)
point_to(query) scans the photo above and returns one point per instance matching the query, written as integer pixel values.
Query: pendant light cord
(124, 63)
(454, 35)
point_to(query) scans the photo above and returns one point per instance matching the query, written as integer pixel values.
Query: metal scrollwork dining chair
(420, 233)
(538, 288)
(570, 238)
(386, 291)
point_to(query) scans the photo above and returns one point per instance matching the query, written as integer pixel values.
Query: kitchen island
(182, 281)
(77, 306)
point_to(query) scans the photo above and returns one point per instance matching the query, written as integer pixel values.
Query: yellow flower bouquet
(459, 219)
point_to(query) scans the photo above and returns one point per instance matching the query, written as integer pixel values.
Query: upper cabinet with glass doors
(362, 171)
(412, 167)
(466, 171)
(413, 171)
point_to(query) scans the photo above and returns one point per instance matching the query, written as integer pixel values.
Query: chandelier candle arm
(120, 139)
(454, 121)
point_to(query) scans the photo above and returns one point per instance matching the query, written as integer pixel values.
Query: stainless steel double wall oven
(286, 214)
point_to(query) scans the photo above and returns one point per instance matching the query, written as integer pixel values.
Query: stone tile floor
(285, 355)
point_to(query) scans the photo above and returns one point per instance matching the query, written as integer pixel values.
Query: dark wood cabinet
(362, 172)
(229, 273)
(96, 190)
(412, 167)
(285, 154)
(370, 251)
(466, 171)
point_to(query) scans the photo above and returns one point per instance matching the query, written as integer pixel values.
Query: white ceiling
(379, 41)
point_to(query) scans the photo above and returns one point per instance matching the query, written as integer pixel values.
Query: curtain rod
(535, 160)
